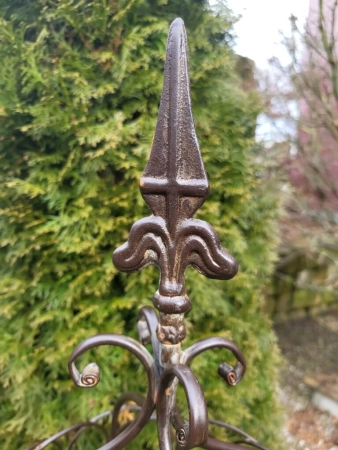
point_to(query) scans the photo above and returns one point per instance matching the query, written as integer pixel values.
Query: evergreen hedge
(80, 87)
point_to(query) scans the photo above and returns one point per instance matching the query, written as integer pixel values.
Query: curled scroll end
(232, 375)
(90, 376)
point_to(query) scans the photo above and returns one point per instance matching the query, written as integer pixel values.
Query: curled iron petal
(193, 433)
(146, 360)
(211, 262)
(215, 260)
(146, 234)
(231, 375)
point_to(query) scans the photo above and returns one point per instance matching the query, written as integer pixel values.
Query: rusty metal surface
(174, 185)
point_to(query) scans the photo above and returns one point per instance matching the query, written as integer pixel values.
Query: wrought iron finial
(174, 185)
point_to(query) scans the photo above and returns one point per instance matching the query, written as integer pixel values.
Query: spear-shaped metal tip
(175, 165)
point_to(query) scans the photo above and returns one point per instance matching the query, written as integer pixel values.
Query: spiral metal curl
(146, 360)
(232, 375)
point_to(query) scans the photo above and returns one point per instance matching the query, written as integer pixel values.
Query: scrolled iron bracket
(174, 185)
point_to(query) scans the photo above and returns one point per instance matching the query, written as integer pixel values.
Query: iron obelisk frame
(174, 185)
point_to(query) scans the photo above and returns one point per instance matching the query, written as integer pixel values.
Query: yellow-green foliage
(80, 83)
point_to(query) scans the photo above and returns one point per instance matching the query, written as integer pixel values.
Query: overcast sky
(259, 29)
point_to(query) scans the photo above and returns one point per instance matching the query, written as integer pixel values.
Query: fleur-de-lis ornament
(174, 185)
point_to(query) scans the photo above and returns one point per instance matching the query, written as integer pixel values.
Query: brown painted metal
(174, 185)
(146, 360)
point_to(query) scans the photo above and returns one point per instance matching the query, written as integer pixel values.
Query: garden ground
(310, 350)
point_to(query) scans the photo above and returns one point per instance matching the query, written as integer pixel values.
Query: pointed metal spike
(175, 164)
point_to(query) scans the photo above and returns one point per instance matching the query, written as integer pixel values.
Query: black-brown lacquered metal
(174, 185)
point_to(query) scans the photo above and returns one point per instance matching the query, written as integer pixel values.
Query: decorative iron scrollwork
(174, 185)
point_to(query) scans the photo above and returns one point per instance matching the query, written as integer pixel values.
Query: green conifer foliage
(80, 87)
